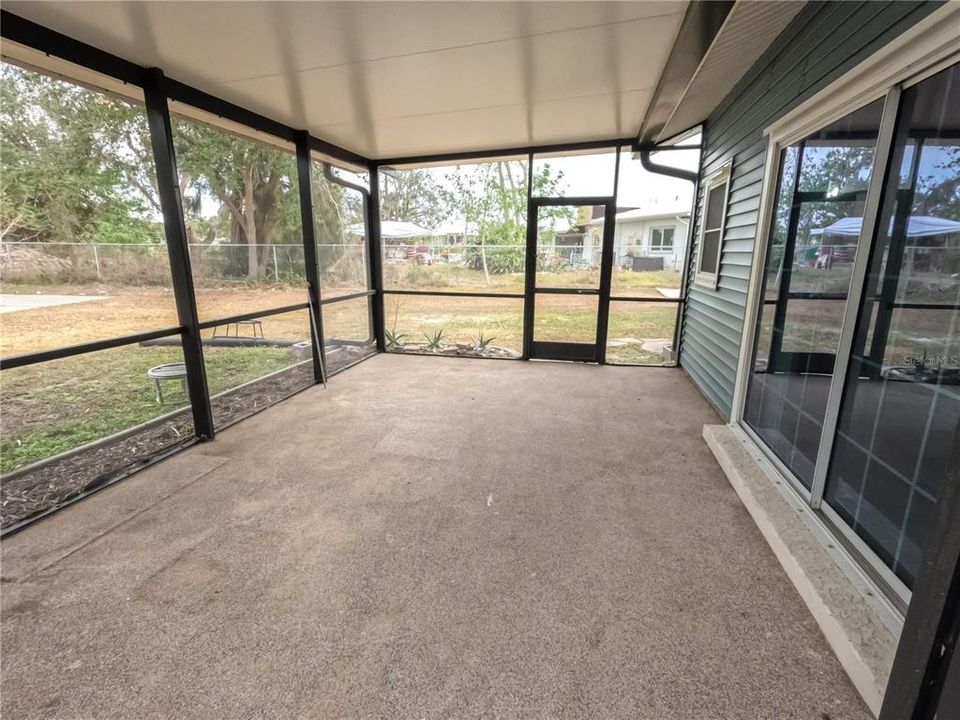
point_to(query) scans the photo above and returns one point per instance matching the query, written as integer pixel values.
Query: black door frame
(581, 352)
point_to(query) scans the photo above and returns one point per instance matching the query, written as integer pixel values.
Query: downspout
(694, 178)
(337, 180)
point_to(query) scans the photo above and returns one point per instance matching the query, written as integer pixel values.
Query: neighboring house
(656, 232)
(453, 232)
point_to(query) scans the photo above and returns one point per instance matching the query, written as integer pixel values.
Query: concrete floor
(426, 538)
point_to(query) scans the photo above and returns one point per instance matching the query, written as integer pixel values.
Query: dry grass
(51, 407)
(126, 311)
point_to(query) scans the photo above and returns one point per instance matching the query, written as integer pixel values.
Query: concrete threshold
(860, 626)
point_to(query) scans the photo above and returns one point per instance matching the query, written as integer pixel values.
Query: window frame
(720, 176)
(661, 250)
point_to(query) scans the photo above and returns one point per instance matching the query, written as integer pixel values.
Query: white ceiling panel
(388, 79)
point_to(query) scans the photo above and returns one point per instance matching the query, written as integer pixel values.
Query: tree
(254, 184)
(493, 198)
(72, 165)
(411, 196)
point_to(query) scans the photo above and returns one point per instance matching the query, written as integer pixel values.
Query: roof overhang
(715, 48)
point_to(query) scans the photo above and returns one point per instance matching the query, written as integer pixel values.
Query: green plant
(394, 339)
(435, 341)
(481, 343)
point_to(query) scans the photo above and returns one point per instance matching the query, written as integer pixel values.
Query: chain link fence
(120, 264)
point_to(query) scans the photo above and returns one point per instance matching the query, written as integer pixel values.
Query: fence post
(175, 232)
(96, 260)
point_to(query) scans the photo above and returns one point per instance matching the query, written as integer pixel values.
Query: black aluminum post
(175, 231)
(530, 275)
(376, 258)
(310, 262)
(530, 264)
(606, 276)
(928, 642)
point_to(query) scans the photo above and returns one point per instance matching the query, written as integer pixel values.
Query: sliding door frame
(913, 57)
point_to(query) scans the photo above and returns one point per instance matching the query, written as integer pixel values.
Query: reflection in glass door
(860, 399)
(901, 399)
(813, 242)
(569, 253)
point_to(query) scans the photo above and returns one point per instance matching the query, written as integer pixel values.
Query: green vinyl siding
(824, 41)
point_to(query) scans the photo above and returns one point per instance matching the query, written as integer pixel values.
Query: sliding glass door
(901, 399)
(819, 207)
(854, 386)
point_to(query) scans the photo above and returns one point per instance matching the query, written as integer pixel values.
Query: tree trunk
(250, 223)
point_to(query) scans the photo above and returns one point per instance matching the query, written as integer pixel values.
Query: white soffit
(748, 31)
(389, 79)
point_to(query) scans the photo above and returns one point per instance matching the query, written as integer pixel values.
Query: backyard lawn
(51, 407)
(55, 406)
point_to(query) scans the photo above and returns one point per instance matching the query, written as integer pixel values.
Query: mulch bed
(458, 350)
(49, 485)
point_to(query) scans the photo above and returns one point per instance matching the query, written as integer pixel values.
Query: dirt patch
(50, 484)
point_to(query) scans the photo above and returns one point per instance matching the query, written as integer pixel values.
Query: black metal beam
(111, 478)
(310, 262)
(181, 92)
(635, 298)
(449, 293)
(530, 264)
(253, 315)
(902, 206)
(606, 274)
(573, 200)
(566, 291)
(337, 152)
(376, 259)
(928, 642)
(175, 231)
(528, 150)
(348, 296)
(22, 31)
(15, 361)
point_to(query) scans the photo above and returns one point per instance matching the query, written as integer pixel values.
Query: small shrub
(481, 343)
(435, 341)
(394, 340)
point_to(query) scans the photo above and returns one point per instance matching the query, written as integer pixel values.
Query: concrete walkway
(426, 538)
(15, 303)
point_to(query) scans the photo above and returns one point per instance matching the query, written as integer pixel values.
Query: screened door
(569, 260)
